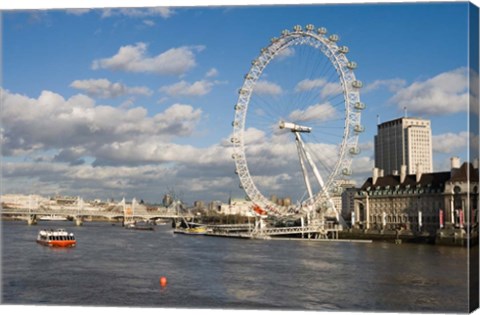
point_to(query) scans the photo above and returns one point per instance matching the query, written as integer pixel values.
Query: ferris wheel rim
(350, 90)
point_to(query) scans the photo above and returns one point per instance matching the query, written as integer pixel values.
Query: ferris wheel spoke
(335, 123)
(268, 107)
(323, 161)
(306, 97)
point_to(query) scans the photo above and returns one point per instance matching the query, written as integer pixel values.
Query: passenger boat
(136, 226)
(199, 230)
(161, 222)
(56, 238)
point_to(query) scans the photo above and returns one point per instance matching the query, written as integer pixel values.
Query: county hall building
(428, 203)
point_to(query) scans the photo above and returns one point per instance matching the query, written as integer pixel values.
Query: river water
(112, 266)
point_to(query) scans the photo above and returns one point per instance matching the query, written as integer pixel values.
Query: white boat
(56, 238)
(199, 230)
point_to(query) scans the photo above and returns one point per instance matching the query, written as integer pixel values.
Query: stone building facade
(419, 203)
(237, 206)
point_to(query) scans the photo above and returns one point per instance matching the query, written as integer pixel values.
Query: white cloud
(285, 53)
(326, 89)
(362, 169)
(184, 88)
(175, 61)
(450, 142)
(103, 88)
(211, 73)
(317, 112)
(272, 183)
(149, 22)
(78, 11)
(132, 152)
(87, 180)
(150, 150)
(392, 85)
(54, 123)
(163, 12)
(306, 85)
(366, 146)
(253, 135)
(179, 119)
(267, 88)
(446, 93)
(331, 89)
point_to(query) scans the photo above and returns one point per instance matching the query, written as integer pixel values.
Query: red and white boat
(56, 238)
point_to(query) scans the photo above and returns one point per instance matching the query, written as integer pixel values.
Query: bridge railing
(76, 212)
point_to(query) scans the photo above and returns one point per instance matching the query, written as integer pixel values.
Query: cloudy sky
(106, 103)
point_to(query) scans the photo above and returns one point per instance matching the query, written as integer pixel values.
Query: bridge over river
(79, 215)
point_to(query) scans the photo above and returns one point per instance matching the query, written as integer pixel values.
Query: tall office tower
(404, 141)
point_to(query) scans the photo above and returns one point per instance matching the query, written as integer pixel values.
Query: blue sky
(134, 102)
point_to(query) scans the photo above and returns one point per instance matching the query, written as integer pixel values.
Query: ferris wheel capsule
(337, 189)
(243, 91)
(351, 65)
(354, 151)
(285, 32)
(359, 128)
(343, 49)
(334, 38)
(322, 31)
(238, 107)
(347, 171)
(310, 27)
(359, 106)
(357, 84)
(297, 28)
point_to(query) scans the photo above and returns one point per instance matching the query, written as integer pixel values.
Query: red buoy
(163, 282)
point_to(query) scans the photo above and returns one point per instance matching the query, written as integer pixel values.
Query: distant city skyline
(112, 103)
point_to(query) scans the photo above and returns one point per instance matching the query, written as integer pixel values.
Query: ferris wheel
(296, 123)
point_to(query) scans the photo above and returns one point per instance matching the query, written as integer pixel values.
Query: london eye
(296, 124)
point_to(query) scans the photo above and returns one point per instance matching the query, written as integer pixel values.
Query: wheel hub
(293, 127)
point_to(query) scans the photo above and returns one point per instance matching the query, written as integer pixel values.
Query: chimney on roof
(403, 173)
(381, 173)
(374, 175)
(475, 163)
(455, 162)
(418, 173)
(454, 165)
(395, 172)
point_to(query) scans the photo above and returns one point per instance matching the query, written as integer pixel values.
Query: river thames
(113, 266)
